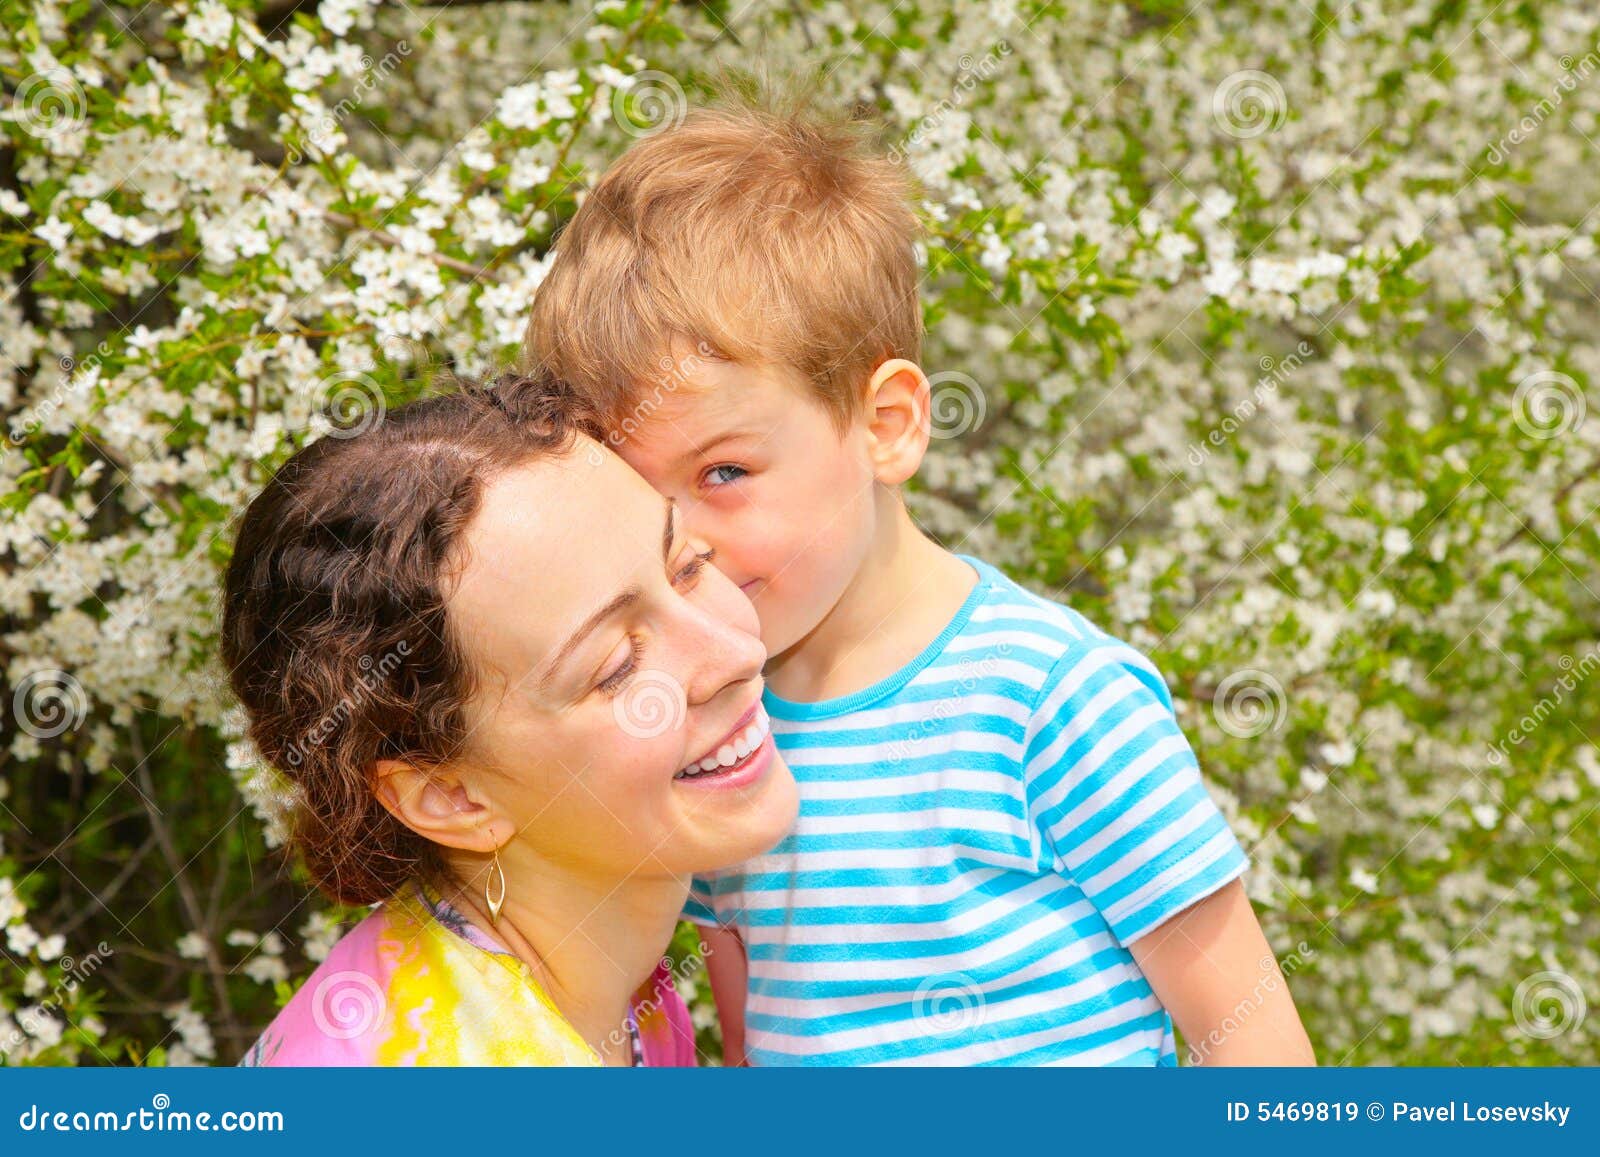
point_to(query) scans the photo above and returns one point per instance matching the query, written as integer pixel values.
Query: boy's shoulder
(1011, 622)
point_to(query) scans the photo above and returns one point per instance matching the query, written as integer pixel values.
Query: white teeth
(731, 753)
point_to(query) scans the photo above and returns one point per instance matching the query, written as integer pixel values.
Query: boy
(1005, 853)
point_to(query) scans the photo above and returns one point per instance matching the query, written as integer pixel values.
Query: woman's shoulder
(408, 987)
(339, 1013)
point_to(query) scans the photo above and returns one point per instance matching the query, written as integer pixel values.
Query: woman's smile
(739, 759)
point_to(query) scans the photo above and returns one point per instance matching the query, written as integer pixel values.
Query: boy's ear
(899, 419)
(436, 804)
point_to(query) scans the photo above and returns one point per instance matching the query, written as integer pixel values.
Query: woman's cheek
(643, 732)
(650, 771)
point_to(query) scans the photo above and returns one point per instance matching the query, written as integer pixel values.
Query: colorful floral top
(416, 983)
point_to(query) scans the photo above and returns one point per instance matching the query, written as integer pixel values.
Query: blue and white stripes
(981, 835)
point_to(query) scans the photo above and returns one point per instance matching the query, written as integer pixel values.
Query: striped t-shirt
(981, 836)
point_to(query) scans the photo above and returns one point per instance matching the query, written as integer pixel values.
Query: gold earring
(494, 890)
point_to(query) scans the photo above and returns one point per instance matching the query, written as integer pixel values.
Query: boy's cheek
(734, 606)
(702, 522)
(746, 533)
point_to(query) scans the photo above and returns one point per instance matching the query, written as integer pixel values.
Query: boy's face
(761, 474)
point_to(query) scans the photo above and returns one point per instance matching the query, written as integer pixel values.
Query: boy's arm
(1211, 966)
(1117, 792)
(727, 970)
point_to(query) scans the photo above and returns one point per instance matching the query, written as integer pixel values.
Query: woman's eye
(722, 475)
(694, 566)
(620, 674)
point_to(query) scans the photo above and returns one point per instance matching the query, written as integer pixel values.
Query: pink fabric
(416, 983)
(666, 1031)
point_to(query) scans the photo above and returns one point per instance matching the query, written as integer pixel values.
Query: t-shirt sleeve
(700, 907)
(1116, 791)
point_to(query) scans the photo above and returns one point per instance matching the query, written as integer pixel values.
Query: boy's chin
(778, 633)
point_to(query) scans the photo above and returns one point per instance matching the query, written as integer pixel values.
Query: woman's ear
(899, 420)
(435, 803)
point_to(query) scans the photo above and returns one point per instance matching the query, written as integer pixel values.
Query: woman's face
(613, 663)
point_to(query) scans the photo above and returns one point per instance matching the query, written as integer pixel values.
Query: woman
(519, 709)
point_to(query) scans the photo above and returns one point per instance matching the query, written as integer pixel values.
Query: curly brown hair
(334, 629)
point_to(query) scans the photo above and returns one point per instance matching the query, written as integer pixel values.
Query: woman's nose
(694, 521)
(721, 648)
(710, 523)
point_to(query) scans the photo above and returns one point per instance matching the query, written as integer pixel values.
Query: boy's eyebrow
(625, 598)
(710, 444)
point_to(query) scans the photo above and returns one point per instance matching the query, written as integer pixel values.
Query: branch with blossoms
(1263, 338)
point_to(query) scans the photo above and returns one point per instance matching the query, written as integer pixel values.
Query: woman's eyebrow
(669, 531)
(623, 599)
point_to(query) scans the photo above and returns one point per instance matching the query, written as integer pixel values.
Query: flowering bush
(1263, 333)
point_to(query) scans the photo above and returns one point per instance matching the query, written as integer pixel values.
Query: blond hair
(760, 234)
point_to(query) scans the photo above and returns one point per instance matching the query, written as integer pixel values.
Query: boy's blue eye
(717, 477)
